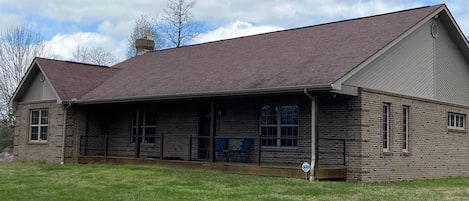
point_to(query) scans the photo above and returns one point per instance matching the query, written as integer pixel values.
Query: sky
(65, 24)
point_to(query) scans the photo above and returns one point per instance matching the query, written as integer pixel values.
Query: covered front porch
(264, 135)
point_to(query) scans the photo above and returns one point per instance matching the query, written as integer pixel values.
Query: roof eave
(247, 92)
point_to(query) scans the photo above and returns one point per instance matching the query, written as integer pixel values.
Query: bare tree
(97, 56)
(143, 28)
(18, 46)
(178, 24)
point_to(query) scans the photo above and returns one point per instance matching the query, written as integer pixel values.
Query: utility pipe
(64, 127)
(313, 132)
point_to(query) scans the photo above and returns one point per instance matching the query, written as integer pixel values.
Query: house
(379, 98)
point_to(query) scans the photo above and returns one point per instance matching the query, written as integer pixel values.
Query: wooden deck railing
(198, 148)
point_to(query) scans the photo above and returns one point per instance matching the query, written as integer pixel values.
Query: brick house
(379, 98)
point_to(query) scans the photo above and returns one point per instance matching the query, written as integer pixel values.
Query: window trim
(385, 127)
(39, 125)
(405, 128)
(455, 118)
(143, 126)
(279, 126)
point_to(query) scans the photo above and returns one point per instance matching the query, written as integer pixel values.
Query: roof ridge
(298, 28)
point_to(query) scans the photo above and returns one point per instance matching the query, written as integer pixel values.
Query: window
(38, 125)
(279, 125)
(385, 126)
(147, 128)
(405, 128)
(456, 121)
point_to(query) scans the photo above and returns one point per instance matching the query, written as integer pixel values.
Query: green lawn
(39, 181)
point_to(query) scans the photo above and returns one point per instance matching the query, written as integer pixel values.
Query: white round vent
(434, 30)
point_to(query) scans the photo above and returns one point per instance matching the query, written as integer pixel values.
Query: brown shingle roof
(73, 80)
(309, 56)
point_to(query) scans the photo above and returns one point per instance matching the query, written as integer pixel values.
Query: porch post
(137, 133)
(212, 131)
(313, 132)
(86, 134)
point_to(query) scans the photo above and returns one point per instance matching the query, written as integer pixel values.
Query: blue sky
(107, 23)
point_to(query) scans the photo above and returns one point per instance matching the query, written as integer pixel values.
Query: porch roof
(311, 57)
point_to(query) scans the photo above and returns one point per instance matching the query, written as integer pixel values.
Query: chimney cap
(144, 45)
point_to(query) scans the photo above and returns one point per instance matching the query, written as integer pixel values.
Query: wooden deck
(279, 170)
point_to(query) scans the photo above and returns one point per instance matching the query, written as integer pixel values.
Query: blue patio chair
(243, 150)
(221, 145)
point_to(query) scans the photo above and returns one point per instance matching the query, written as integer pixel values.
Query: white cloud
(120, 29)
(8, 20)
(233, 30)
(85, 21)
(63, 45)
(459, 10)
(294, 13)
(84, 11)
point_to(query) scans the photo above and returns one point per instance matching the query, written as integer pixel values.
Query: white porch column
(313, 136)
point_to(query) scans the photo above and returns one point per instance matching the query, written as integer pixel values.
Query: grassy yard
(38, 181)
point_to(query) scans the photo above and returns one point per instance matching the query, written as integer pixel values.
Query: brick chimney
(144, 45)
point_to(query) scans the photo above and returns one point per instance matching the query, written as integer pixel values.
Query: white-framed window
(456, 121)
(405, 128)
(39, 123)
(147, 128)
(385, 126)
(279, 125)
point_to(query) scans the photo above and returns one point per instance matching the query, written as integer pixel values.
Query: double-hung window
(385, 126)
(147, 127)
(39, 124)
(456, 121)
(405, 128)
(279, 125)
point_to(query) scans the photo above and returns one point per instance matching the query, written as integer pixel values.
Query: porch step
(331, 173)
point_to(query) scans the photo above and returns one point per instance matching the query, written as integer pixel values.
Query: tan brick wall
(434, 151)
(50, 151)
(338, 123)
(76, 124)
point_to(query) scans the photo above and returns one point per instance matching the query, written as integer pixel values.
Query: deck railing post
(82, 152)
(212, 132)
(106, 144)
(190, 147)
(137, 133)
(345, 152)
(162, 146)
(259, 150)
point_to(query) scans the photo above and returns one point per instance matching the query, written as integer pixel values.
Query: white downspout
(64, 127)
(313, 132)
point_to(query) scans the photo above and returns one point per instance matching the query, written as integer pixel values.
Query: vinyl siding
(39, 90)
(419, 66)
(451, 70)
